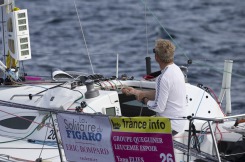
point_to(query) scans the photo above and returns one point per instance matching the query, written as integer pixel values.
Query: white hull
(200, 104)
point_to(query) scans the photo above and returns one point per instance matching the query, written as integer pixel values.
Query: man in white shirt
(169, 98)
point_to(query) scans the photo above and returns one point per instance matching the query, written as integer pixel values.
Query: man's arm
(150, 94)
(139, 94)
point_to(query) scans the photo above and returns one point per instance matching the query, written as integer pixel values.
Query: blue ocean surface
(205, 32)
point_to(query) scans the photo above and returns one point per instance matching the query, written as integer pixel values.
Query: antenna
(117, 65)
(18, 35)
(84, 39)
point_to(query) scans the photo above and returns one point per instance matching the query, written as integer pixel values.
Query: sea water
(205, 32)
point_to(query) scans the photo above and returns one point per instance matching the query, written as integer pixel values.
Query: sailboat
(28, 105)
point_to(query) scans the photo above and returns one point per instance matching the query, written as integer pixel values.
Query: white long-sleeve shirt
(170, 97)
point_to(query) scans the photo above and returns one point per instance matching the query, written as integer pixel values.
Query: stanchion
(55, 132)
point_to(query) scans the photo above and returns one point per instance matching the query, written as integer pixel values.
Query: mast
(15, 38)
(6, 7)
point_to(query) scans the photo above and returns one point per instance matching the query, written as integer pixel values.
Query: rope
(216, 99)
(234, 154)
(115, 85)
(194, 138)
(39, 124)
(30, 148)
(106, 87)
(22, 118)
(177, 45)
(91, 108)
(146, 33)
(195, 62)
(19, 138)
(50, 158)
(141, 108)
(44, 141)
(46, 89)
(110, 84)
(31, 85)
(83, 36)
(155, 17)
(16, 159)
(79, 98)
(200, 102)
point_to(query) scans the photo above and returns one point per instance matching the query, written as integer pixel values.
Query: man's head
(165, 50)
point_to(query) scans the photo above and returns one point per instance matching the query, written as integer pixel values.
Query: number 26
(168, 158)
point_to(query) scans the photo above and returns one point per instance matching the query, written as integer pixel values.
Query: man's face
(154, 51)
(157, 58)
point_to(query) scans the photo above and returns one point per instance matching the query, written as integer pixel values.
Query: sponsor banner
(86, 138)
(141, 124)
(142, 139)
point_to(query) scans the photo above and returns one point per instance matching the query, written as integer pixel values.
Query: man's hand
(140, 95)
(129, 91)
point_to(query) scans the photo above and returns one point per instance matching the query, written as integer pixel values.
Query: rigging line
(31, 121)
(46, 89)
(146, 32)
(91, 108)
(200, 102)
(142, 105)
(91, 54)
(235, 154)
(120, 83)
(143, 1)
(72, 90)
(217, 69)
(28, 107)
(31, 85)
(14, 159)
(50, 158)
(115, 85)
(110, 84)
(83, 36)
(26, 148)
(19, 138)
(44, 140)
(216, 99)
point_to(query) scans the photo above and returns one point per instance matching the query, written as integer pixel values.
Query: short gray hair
(165, 49)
